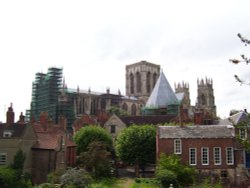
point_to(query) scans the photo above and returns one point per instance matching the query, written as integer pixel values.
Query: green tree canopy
(185, 175)
(136, 145)
(89, 134)
(96, 159)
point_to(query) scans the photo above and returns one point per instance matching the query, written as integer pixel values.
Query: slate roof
(236, 118)
(141, 120)
(198, 131)
(17, 130)
(50, 138)
(162, 94)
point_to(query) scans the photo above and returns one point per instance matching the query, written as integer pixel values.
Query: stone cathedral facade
(141, 78)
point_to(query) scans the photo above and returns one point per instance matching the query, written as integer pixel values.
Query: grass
(122, 183)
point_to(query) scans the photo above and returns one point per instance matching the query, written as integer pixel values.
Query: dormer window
(7, 134)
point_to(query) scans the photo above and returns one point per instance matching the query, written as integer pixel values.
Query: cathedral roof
(162, 94)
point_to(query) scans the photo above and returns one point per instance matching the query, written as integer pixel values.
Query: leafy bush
(75, 177)
(166, 177)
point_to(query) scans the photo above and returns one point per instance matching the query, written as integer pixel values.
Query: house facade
(211, 149)
(15, 137)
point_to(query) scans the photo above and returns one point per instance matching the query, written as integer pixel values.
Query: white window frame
(177, 146)
(230, 156)
(192, 156)
(242, 133)
(205, 156)
(3, 158)
(217, 156)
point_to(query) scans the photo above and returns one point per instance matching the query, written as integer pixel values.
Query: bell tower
(205, 98)
(141, 78)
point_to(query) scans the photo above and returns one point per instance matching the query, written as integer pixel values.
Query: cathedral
(147, 93)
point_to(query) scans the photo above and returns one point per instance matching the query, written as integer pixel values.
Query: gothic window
(103, 104)
(138, 82)
(125, 107)
(132, 84)
(203, 99)
(148, 82)
(133, 110)
(154, 79)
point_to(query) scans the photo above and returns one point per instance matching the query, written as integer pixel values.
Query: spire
(162, 94)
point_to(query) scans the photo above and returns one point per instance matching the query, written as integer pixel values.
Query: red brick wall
(167, 146)
(43, 163)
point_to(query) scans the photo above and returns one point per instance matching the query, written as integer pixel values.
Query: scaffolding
(45, 92)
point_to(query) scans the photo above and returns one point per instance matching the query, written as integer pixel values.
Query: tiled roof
(50, 137)
(17, 130)
(197, 131)
(162, 94)
(140, 120)
(234, 119)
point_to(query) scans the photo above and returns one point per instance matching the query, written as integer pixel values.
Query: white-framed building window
(192, 156)
(7, 133)
(205, 156)
(242, 133)
(217, 155)
(177, 146)
(3, 158)
(230, 155)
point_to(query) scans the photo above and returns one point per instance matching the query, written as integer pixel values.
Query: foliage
(54, 177)
(75, 177)
(9, 178)
(166, 177)
(185, 174)
(245, 125)
(96, 159)
(88, 134)
(207, 184)
(118, 111)
(19, 159)
(136, 145)
(246, 42)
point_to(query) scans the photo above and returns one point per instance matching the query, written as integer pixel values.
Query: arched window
(203, 99)
(132, 84)
(133, 110)
(148, 82)
(138, 82)
(125, 107)
(154, 79)
(103, 104)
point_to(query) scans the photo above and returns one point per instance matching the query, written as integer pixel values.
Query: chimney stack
(10, 115)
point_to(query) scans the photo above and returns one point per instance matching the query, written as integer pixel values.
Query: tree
(18, 162)
(96, 159)
(89, 134)
(185, 175)
(136, 145)
(244, 59)
(117, 111)
(75, 178)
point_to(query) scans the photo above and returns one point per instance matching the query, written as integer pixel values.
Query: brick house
(212, 149)
(54, 149)
(46, 146)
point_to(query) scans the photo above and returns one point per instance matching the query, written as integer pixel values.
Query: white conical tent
(162, 94)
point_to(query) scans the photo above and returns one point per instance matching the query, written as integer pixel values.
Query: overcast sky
(94, 40)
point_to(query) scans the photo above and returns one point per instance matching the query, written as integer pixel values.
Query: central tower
(141, 78)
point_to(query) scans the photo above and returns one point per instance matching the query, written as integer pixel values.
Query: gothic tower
(183, 89)
(205, 98)
(141, 78)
